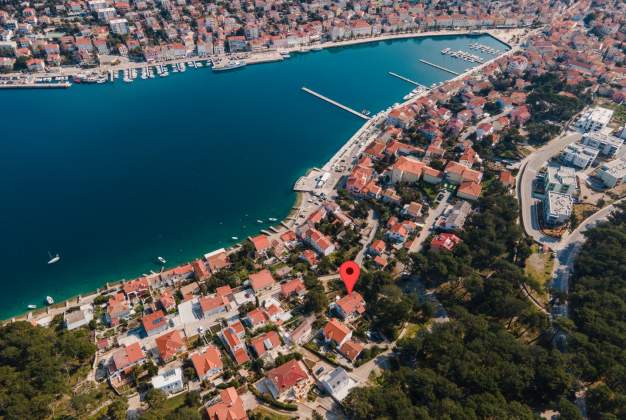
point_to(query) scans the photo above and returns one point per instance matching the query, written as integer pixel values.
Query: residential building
(607, 144)
(78, 318)
(350, 307)
(208, 363)
(288, 381)
(170, 381)
(262, 281)
(125, 358)
(336, 332)
(154, 323)
(561, 179)
(169, 345)
(117, 309)
(612, 173)
(230, 406)
(212, 305)
(293, 287)
(594, 119)
(265, 344)
(444, 242)
(578, 155)
(351, 349)
(454, 218)
(302, 333)
(557, 208)
(337, 383)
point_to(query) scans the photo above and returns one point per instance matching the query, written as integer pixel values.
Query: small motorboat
(49, 300)
(31, 306)
(234, 238)
(161, 260)
(259, 221)
(272, 219)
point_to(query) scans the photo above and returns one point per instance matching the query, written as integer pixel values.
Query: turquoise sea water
(112, 176)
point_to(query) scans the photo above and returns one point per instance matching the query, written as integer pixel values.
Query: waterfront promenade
(505, 35)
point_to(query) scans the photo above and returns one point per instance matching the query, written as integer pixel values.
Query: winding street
(529, 168)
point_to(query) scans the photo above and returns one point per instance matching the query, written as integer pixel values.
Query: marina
(406, 79)
(460, 54)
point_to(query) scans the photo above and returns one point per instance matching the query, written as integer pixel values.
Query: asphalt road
(529, 168)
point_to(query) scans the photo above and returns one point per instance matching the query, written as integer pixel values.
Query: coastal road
(432, 217)
(569, 248)
(529, 168)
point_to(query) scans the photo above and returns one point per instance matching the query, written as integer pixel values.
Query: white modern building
(561, 179)
(594, 119)
(613, 173)
(607, 144)
(119, 26)
(557, 208)
(170, 381)
(579, 155)
(337, 383)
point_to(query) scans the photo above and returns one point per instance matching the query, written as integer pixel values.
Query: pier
(406, 79)
(439, 67)
(62, 85)
(337, 104)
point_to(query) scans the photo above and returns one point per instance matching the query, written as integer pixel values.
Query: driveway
(432, 217)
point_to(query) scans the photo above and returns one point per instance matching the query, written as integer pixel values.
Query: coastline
(291, 218)
(503, 35)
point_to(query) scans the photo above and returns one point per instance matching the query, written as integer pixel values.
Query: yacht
(54, 259)
(228, 65)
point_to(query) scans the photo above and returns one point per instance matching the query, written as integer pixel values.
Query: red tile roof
(352, 303)
(291, 287)
(287, 375)
(210, 359)
(336, 331)
(351, 349)
(261, 280)
(169, 344)
(153, 321)
(265, 342)
(261, 243)
(230, 408)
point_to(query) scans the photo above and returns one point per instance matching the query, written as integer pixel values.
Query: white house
(170, 381)
(561, 180)
(77, 319)
(337, 383)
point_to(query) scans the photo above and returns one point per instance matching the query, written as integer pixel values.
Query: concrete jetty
(30, 85)
(406, 79)
(439, 67)
(337, 104)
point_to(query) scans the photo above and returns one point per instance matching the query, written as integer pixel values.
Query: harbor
(150, 189)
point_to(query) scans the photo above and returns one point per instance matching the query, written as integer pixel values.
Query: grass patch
(539, 265)
(412, 330)
(264, 413)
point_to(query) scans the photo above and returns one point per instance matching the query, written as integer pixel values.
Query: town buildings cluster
(243, 316)
(40, 36)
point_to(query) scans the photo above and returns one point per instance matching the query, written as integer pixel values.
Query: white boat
(234, 238)
(259, 221)
(54, 259)
(272, 219)
(32, 306)
(49, 300)
(228, 65)
(161, 260)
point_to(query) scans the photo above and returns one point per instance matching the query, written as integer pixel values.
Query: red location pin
(349, 272)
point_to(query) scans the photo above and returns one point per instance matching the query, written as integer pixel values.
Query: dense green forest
(597, 339)
(491, 360)
(38, 366)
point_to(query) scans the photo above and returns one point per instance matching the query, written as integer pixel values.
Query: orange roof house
(261, 281)
(350, 306)
(169, 345)
(261, 244)
(207, 364)
(336, 332)
(288, 381)
(229, 408)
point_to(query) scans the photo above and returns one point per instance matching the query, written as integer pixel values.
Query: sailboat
(54, 259)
